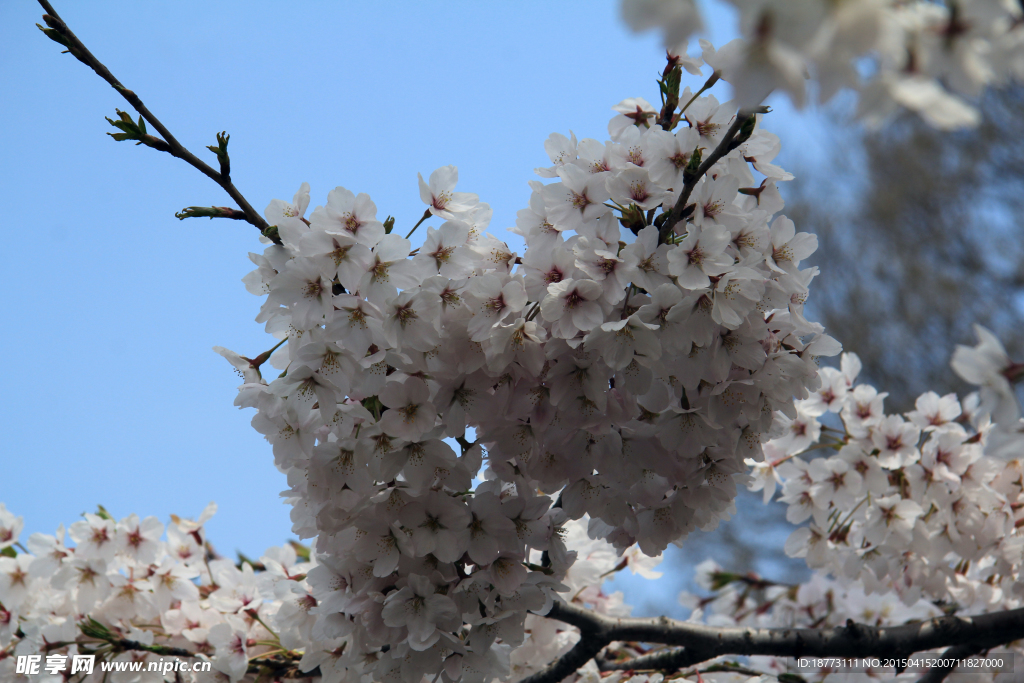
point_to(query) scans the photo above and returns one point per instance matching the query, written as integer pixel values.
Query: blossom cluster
(622, 368)
(923, 509)
(471, 435)
(127, 592)
(166, 594)
(908, 517)
(933, 58)
(909, 499)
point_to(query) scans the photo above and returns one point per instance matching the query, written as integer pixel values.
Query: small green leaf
(130, 129)
(720, 580)
(221, 150)
(94, 629)
(54, 35)
(693, 166)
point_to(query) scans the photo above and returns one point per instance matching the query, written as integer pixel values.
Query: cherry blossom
(473, 437)
(440, 195)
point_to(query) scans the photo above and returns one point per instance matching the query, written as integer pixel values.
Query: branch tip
(59, 32)
(221, 150)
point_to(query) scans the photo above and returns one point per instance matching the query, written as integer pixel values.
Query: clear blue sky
(111, 393)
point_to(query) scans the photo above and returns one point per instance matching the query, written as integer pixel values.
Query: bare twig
(699, 643)
(59, 32)
(210, 212)
(425, 216)
(708, 84)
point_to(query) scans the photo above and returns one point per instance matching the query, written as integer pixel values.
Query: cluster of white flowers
(126, 593)
(933, 58)
(915, 515)
(165, 594)
(912, 503)
(623, 363)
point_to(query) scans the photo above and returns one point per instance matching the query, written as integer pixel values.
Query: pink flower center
(579, 201)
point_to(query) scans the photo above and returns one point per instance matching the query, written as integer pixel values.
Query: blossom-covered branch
(60, 33)
(642, 359)
(627, 380)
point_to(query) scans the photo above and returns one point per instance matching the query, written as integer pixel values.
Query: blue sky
(112, 393)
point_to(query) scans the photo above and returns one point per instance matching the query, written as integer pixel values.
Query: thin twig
(174, 148)
(533, 312)
(426, 215)
(725, 146)
(710, 82)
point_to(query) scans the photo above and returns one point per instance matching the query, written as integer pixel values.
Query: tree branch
(210, 212)
(663, 660)
(742, 127)
(163, 650)
(60, 33)
(700, 643)
(567, 664)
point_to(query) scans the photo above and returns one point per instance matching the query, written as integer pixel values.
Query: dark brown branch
(581, 653)
(725, 145)
(663, 660)
(729, 667)
(699, 643)
(60, 32)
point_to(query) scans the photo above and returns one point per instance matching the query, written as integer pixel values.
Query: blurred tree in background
(920, 237)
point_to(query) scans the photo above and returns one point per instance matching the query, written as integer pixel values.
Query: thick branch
(564, 666)
(174, 148)
(725, 145)
(699, 643)
(663, 660)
